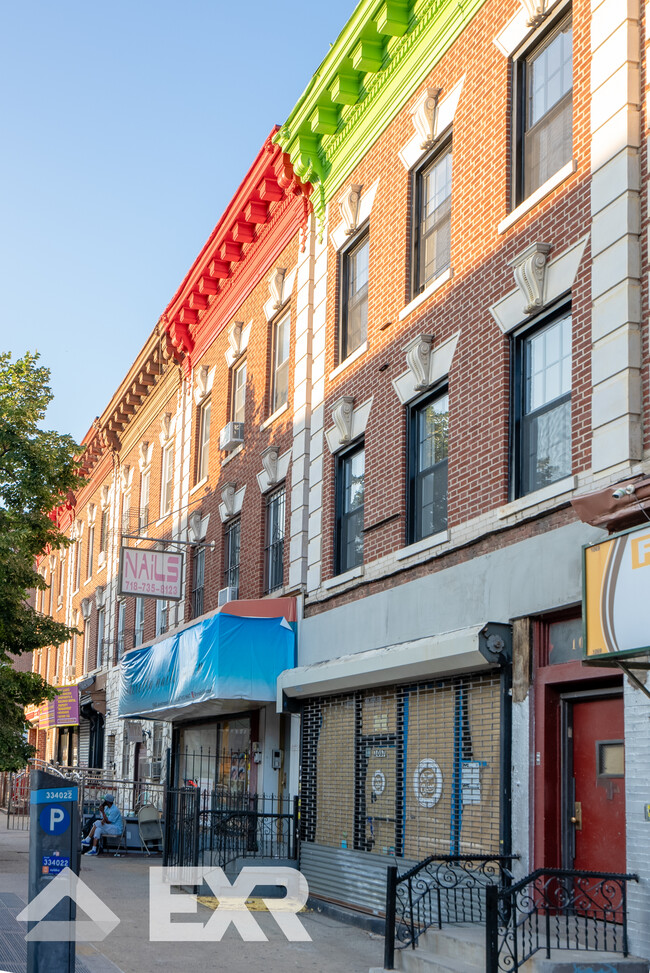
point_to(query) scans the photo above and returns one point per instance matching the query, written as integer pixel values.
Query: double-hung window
(544, 105)
(354, 296)
(204, 440)
(167, 480)
(274, 553)
(542, 404)
(161, 616)
(198, 581)
(239, 392)
(280, 362)
(432, 237)
(90, 550)
(121, 623)
(138, 634)
(232, 541)
(103, 535)
(101, 618)
(145, 480)
(350, 477)
(428, 435)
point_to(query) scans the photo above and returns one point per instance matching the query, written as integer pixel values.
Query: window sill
(197, 486)
(426, 544)
(361, 350)
(539, 194)
(276, 415)
(100, 567)
(550, 492)
(88, 580)
(235, 452)
(340, 579)
(426, 294)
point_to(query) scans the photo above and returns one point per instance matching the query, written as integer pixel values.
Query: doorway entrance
(593, 783)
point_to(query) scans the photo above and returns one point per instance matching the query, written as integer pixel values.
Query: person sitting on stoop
(109, 823)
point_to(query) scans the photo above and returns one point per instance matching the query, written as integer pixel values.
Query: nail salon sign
(151, 574)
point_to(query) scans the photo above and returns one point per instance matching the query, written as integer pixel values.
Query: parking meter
(54, 844)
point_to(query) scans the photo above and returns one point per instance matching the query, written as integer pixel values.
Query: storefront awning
(468, 649)
(219, 664)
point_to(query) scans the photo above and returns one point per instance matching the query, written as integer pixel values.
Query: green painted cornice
(383, 54)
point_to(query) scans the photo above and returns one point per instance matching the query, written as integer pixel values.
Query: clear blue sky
(125, 129)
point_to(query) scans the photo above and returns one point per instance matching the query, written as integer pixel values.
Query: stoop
(461, 949)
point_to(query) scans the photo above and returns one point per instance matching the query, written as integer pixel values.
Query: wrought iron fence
(441, 889)
(212, 828)
(556, 909)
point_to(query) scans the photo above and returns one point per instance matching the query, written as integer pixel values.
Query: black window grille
(198, 581)
(232, 542)
(274, 552)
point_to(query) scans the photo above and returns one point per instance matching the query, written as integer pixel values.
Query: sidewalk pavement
(123, 885)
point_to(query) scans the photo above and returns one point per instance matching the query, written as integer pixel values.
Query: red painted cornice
(267, 210)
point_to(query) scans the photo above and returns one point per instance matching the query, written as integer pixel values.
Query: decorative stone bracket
(144, 457)
(232, 501)
(349, 423)
(535, 10)
(86, 608)
(126, 478)
(418, 358)
(201, 385)
(99, 597)
(194, 525)
(425, 115)
(105, 497)
(349, 206)
(274, 468)
(280, 283)
(166, 428)
(529, 269)
(92, 512)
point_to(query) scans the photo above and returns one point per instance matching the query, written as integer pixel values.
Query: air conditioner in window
(152, 769)
(68, 674)
(226, 595)
(231, 435)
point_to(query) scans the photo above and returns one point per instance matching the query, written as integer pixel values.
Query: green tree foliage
(37, 471)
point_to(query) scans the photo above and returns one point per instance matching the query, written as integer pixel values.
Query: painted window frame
(276, 386)
(238, 409)
(90, 551)
(360, 239)
(198, 581)
(343, 514)
(203, 441)
(145, 490)
(521, 65)
(521, 480)
(138, 628)
(415, 475)
(167, 480)
(104, 530)
(436, 157)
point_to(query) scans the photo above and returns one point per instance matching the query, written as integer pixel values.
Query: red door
(596, 808)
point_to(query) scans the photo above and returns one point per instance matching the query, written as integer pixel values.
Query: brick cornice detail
(271, 205)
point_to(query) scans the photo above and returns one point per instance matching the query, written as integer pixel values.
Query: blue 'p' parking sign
(54, 819)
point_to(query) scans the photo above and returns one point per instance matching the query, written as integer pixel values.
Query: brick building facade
(435, 279)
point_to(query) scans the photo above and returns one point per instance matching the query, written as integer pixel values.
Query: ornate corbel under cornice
(342, 415)
(418, 358)
(529, 269)
(349, 207)
(424, 116)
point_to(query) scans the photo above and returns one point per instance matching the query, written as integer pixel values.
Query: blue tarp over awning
(218, 664)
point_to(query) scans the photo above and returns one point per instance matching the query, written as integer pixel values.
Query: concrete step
(414, 961)
(466, 942)
(584, 961)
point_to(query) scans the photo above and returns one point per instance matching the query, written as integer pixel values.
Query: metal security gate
(399, 773)
(210, 829)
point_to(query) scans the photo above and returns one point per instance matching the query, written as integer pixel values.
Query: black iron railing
(212, 829)
(442, 889)
(555, 909)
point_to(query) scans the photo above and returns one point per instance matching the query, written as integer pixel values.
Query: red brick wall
(479, 399)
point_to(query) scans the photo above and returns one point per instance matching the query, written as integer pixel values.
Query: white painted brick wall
(637, 795)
